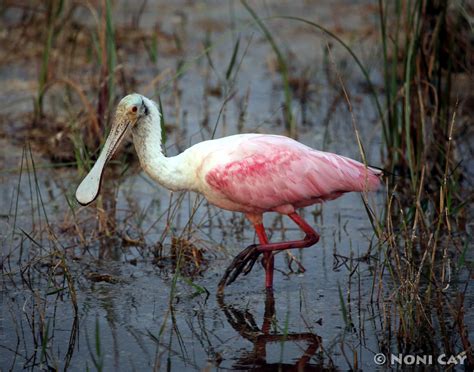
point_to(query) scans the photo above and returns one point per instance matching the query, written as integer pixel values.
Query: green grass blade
(290, 122)
(232, 60)
(162, 124)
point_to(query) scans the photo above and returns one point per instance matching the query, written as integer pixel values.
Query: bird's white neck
(171, 172)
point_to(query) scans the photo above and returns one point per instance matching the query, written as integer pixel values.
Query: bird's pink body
(254, 174)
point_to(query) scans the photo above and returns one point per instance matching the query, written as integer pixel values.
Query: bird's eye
(134, 109)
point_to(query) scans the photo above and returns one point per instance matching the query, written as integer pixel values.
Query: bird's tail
(372, 178)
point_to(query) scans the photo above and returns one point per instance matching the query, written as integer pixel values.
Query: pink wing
(271, 171)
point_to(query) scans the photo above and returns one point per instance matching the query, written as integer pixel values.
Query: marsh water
(138, 291)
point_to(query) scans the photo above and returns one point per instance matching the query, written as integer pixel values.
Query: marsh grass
(54, 10)
(95, 350)
(283, 69)
(422, 230)
(36, 263)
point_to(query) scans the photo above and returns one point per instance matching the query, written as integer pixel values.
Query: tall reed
(107, 59)
(54, 11)
(422, 229)
(283, 69)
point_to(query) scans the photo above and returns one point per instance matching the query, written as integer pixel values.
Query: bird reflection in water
(244, 323)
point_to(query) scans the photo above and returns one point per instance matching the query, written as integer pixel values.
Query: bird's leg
(268, 259)
(245, 260)
(311, 238)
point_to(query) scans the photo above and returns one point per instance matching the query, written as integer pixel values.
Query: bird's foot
(242, 263)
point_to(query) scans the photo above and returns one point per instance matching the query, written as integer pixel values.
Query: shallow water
(134, 311)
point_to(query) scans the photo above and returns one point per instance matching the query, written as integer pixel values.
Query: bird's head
(131, 112)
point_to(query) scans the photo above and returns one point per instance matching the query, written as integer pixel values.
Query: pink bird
(248, 173)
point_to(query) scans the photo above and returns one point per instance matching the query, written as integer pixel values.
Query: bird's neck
(171, 172)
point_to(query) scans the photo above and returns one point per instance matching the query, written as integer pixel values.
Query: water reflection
(244, 323)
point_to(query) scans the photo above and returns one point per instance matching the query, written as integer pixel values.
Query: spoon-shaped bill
(90, 185)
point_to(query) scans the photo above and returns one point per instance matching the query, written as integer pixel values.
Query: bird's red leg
(245, 260)
(268, 256)
(312, 237)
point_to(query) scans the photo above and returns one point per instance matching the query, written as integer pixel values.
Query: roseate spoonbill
(248, 173)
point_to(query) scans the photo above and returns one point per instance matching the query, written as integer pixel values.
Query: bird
(249, 173)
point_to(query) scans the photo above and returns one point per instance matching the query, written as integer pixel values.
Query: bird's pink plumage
(267, 172)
